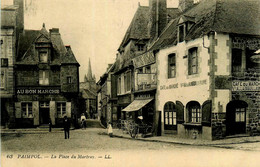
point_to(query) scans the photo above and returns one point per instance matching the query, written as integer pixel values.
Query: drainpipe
(211, 51)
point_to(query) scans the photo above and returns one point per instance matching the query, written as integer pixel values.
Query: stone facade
(47, 80)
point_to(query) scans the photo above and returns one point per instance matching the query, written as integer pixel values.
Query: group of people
(66, 126)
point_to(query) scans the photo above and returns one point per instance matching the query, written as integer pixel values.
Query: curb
(183, 143)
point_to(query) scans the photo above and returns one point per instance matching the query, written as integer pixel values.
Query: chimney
(54, 31)
(20, 14)
(185, 4)
(157, 17)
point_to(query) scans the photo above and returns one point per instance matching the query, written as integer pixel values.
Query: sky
(93, 28)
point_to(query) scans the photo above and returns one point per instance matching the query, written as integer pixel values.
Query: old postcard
(130, 83)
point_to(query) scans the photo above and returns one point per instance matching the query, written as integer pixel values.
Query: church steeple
(89, 74)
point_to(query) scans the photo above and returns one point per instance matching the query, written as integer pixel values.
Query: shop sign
(242, 42)
(245, 86)
(184, 84)
(37, 91)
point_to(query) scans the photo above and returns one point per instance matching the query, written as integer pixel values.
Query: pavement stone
(176, 140)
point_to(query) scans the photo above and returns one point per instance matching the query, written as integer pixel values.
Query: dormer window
(184, 25)
(140, 47)
(43, 57)
(181, 32)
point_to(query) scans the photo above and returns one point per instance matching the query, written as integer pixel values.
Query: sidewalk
(175, 140)
(30, 130)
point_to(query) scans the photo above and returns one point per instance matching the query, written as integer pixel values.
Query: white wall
(199, 92)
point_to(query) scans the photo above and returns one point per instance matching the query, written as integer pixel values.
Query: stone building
(136, 82)
(107, 96)
(11, 24)
(47, 79)
(208, 70)
(88, 90)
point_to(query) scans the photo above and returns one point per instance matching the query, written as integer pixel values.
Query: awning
(136, 105)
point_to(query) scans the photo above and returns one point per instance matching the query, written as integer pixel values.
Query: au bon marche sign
(29, 91)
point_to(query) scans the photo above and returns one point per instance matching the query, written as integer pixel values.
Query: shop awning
(136, 105)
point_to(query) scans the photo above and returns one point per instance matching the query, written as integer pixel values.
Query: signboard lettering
(245, 86)
(37, 91)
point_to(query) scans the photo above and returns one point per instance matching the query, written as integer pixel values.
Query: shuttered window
(61, 109)
(193, 61)
(170, 120)
(27, 110)
(171, 66)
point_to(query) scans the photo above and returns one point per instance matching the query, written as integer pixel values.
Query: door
(44, 112)
(236, 117)
(45, 115)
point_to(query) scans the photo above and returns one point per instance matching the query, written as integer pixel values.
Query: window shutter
(52, 112)
(189, 63)
(179, 112)
(46, 77)
(68, 109)
(206, 113)
(18, 110)
(35, 108)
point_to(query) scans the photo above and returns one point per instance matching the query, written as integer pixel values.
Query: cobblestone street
(93, 142)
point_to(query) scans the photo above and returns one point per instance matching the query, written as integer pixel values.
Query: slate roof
(88, 94)
(8, 16)
(144, 59)
(138, 28)
(227, 16)
(26, 52)
(69, 57)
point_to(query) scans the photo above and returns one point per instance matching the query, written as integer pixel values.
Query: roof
(26, 50)
(8, 16)
(69, 57)
(215, 15)
(138, 28)
(88, 94)
(144, 59)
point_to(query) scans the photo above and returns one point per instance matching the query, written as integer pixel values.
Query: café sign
(245, 86)
(37, 91)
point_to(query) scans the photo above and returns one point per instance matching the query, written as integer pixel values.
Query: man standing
(66, 124)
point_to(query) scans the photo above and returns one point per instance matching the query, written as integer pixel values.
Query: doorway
(44, 112)
(236, 117)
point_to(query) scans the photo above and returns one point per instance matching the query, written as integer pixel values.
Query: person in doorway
(50, 125)
(110, 129)
(66, 124)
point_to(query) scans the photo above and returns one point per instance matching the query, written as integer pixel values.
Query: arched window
(170, 121)
(194, 112)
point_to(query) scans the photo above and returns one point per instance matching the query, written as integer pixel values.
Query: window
(44, 104)
(27, 110)
(240, 114)
(43, 77)
(69, 80)
(181, 33)
(61, 109)
(148, 69)
(194, 112)
(43, 57)
(169, 116)
(119, 85)
(140, 47)
(128, 81)
(236, 60)
(4, 62)
(2, 79)
(140, 70)
(193, 61)
(171, 66)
